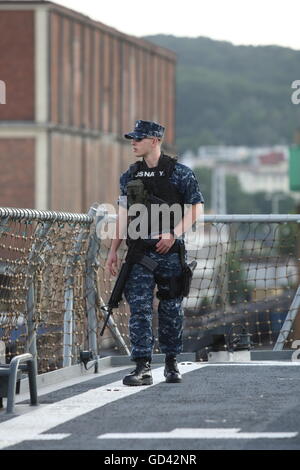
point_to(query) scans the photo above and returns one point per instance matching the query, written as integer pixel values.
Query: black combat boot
(171, 370)
(141, 375)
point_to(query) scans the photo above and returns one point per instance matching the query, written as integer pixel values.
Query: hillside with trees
(233, 95)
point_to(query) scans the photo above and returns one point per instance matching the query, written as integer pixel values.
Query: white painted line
(10, 440)
(29, 426)
(200, 433)
(51, 437)
(45, 390)
(252, 363)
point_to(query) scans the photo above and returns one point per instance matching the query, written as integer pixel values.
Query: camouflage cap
(146, 129)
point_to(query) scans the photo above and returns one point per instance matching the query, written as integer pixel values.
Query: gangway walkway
(253, 405)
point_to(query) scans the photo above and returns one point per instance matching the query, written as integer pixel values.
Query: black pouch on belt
(187, 272)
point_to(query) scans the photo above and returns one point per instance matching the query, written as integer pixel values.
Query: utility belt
(168, 288)
(148, 244)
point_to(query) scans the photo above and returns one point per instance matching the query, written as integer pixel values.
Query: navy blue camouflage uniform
(139, 289)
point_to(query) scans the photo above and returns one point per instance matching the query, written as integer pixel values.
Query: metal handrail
(228, 218)
(33, 214)
(265, 218)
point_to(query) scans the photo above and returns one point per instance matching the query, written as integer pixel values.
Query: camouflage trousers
(139, 294)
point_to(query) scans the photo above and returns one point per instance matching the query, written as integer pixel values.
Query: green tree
(234, 95)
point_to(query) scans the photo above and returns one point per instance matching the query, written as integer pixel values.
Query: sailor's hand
(112, 263)
(166, 241)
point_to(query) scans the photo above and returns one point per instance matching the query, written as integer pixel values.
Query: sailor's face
(142, 147)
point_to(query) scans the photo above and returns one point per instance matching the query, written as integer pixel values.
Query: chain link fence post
(92, 264)
(69, 293)
(104, 217)
(34, 262)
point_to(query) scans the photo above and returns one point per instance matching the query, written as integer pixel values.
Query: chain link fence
(42, 298)
(53, 285)
(247, 280)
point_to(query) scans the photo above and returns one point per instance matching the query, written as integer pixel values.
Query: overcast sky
(238, 21)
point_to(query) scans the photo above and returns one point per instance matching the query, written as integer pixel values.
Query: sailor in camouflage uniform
(174, 183)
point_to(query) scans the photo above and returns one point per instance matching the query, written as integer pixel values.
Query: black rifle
(134, 255)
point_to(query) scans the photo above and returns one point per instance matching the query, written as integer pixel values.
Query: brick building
(73, 87)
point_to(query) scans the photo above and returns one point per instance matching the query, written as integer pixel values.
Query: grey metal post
(288, 323)
(69, 295)
(68, 327)
(91, 290)
(34, 261)
(31, 323)
(2, 352)
(12, 381)
(3, 223)
(103, 217)
(219, 190)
